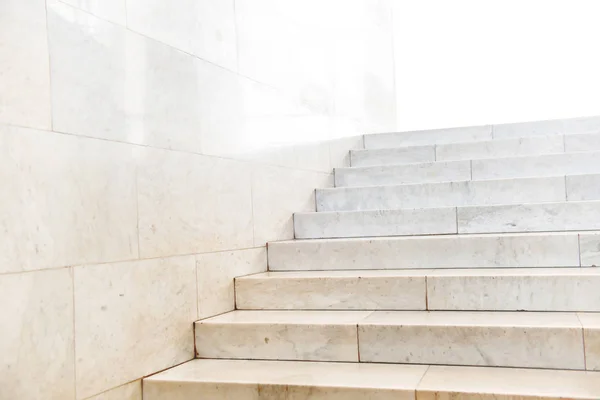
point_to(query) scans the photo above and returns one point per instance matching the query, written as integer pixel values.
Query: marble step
(270, 380)
(480, 133)
(546, 165)
(495, 289)
(535, 217)
(525, 250)
(460, 193)
(535, 145)
(503, 339)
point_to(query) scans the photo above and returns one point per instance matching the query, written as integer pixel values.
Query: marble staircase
(445, 264)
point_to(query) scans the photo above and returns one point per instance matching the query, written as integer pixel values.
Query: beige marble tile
(191, 203)
(472, 383)
(280, 335)
(111, 83)
(270, 380)
(462, 251)
(110, 10)
(589, 248)
(204, 28)
(216, 273)
(514, 289)
(277, 193)
(129, 391)
(65, 200)
(334, 290)
(24, 71)
(591, 332)
(132, 319)
(36, 336)
(500, 339)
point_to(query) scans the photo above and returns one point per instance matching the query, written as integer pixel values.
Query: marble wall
(148, 151)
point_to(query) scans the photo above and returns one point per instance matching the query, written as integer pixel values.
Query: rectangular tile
(280, 335)
(532, 340)
(401, 155)
(332, 290)
(425, 137)
(541, 217)
(589, 244)
(375, 223)
(500, 148)
(589, 142)
(36, 336)
(277, 193)
(191, 203)
(204, 28)
(132, 319)
(245, 379)
(215, 276)
(66, 200)
(537, 166)
(443, 194)
(468, 251)
(549, 127)
(583, 187)
(530, 289)
(473, 383)
(142, 91)
(25, 83)
(400, 174)
(591, 333)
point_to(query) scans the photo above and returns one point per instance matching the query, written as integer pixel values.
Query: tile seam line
(583, 341)
(239, 160)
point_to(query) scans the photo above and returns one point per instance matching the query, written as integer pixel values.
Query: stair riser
(452, 293)
(485, 251)
(506, 346)
(464, 151)
(460, 194)
(448, 171)
(498, 344)
(550, 217)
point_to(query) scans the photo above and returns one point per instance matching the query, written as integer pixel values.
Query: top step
(481, 133)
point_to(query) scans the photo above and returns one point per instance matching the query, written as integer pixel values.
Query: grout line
(583, 341)
(74, 332)
(456, 219)
(49, 68)
(471, 163)
(435, 152)
(426, 294)
(421, 380)
(358, 342)
(566, 192)
(492, 131)
(579, 248)
(564, 143)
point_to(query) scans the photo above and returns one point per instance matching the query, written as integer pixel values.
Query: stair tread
(248, 377)
(382, 273)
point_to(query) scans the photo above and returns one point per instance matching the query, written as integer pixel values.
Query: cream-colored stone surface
(277, 193)
(443, 194)
(216, 273)
(129, 391)
(591, 333)
(375, 223)
(541, 217)
(110, 10)
(280, 335)
(132, 319)
(204, 28)
(111, 83)
(472, 383)
(64, 200)
(271, 380)
(515, 289)
(332, 290)
(589, 247)
(443, 171)
(464, 251)
(191, 203)
(36, 336)
(500, 148)
(24, 77)
(531, 340)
